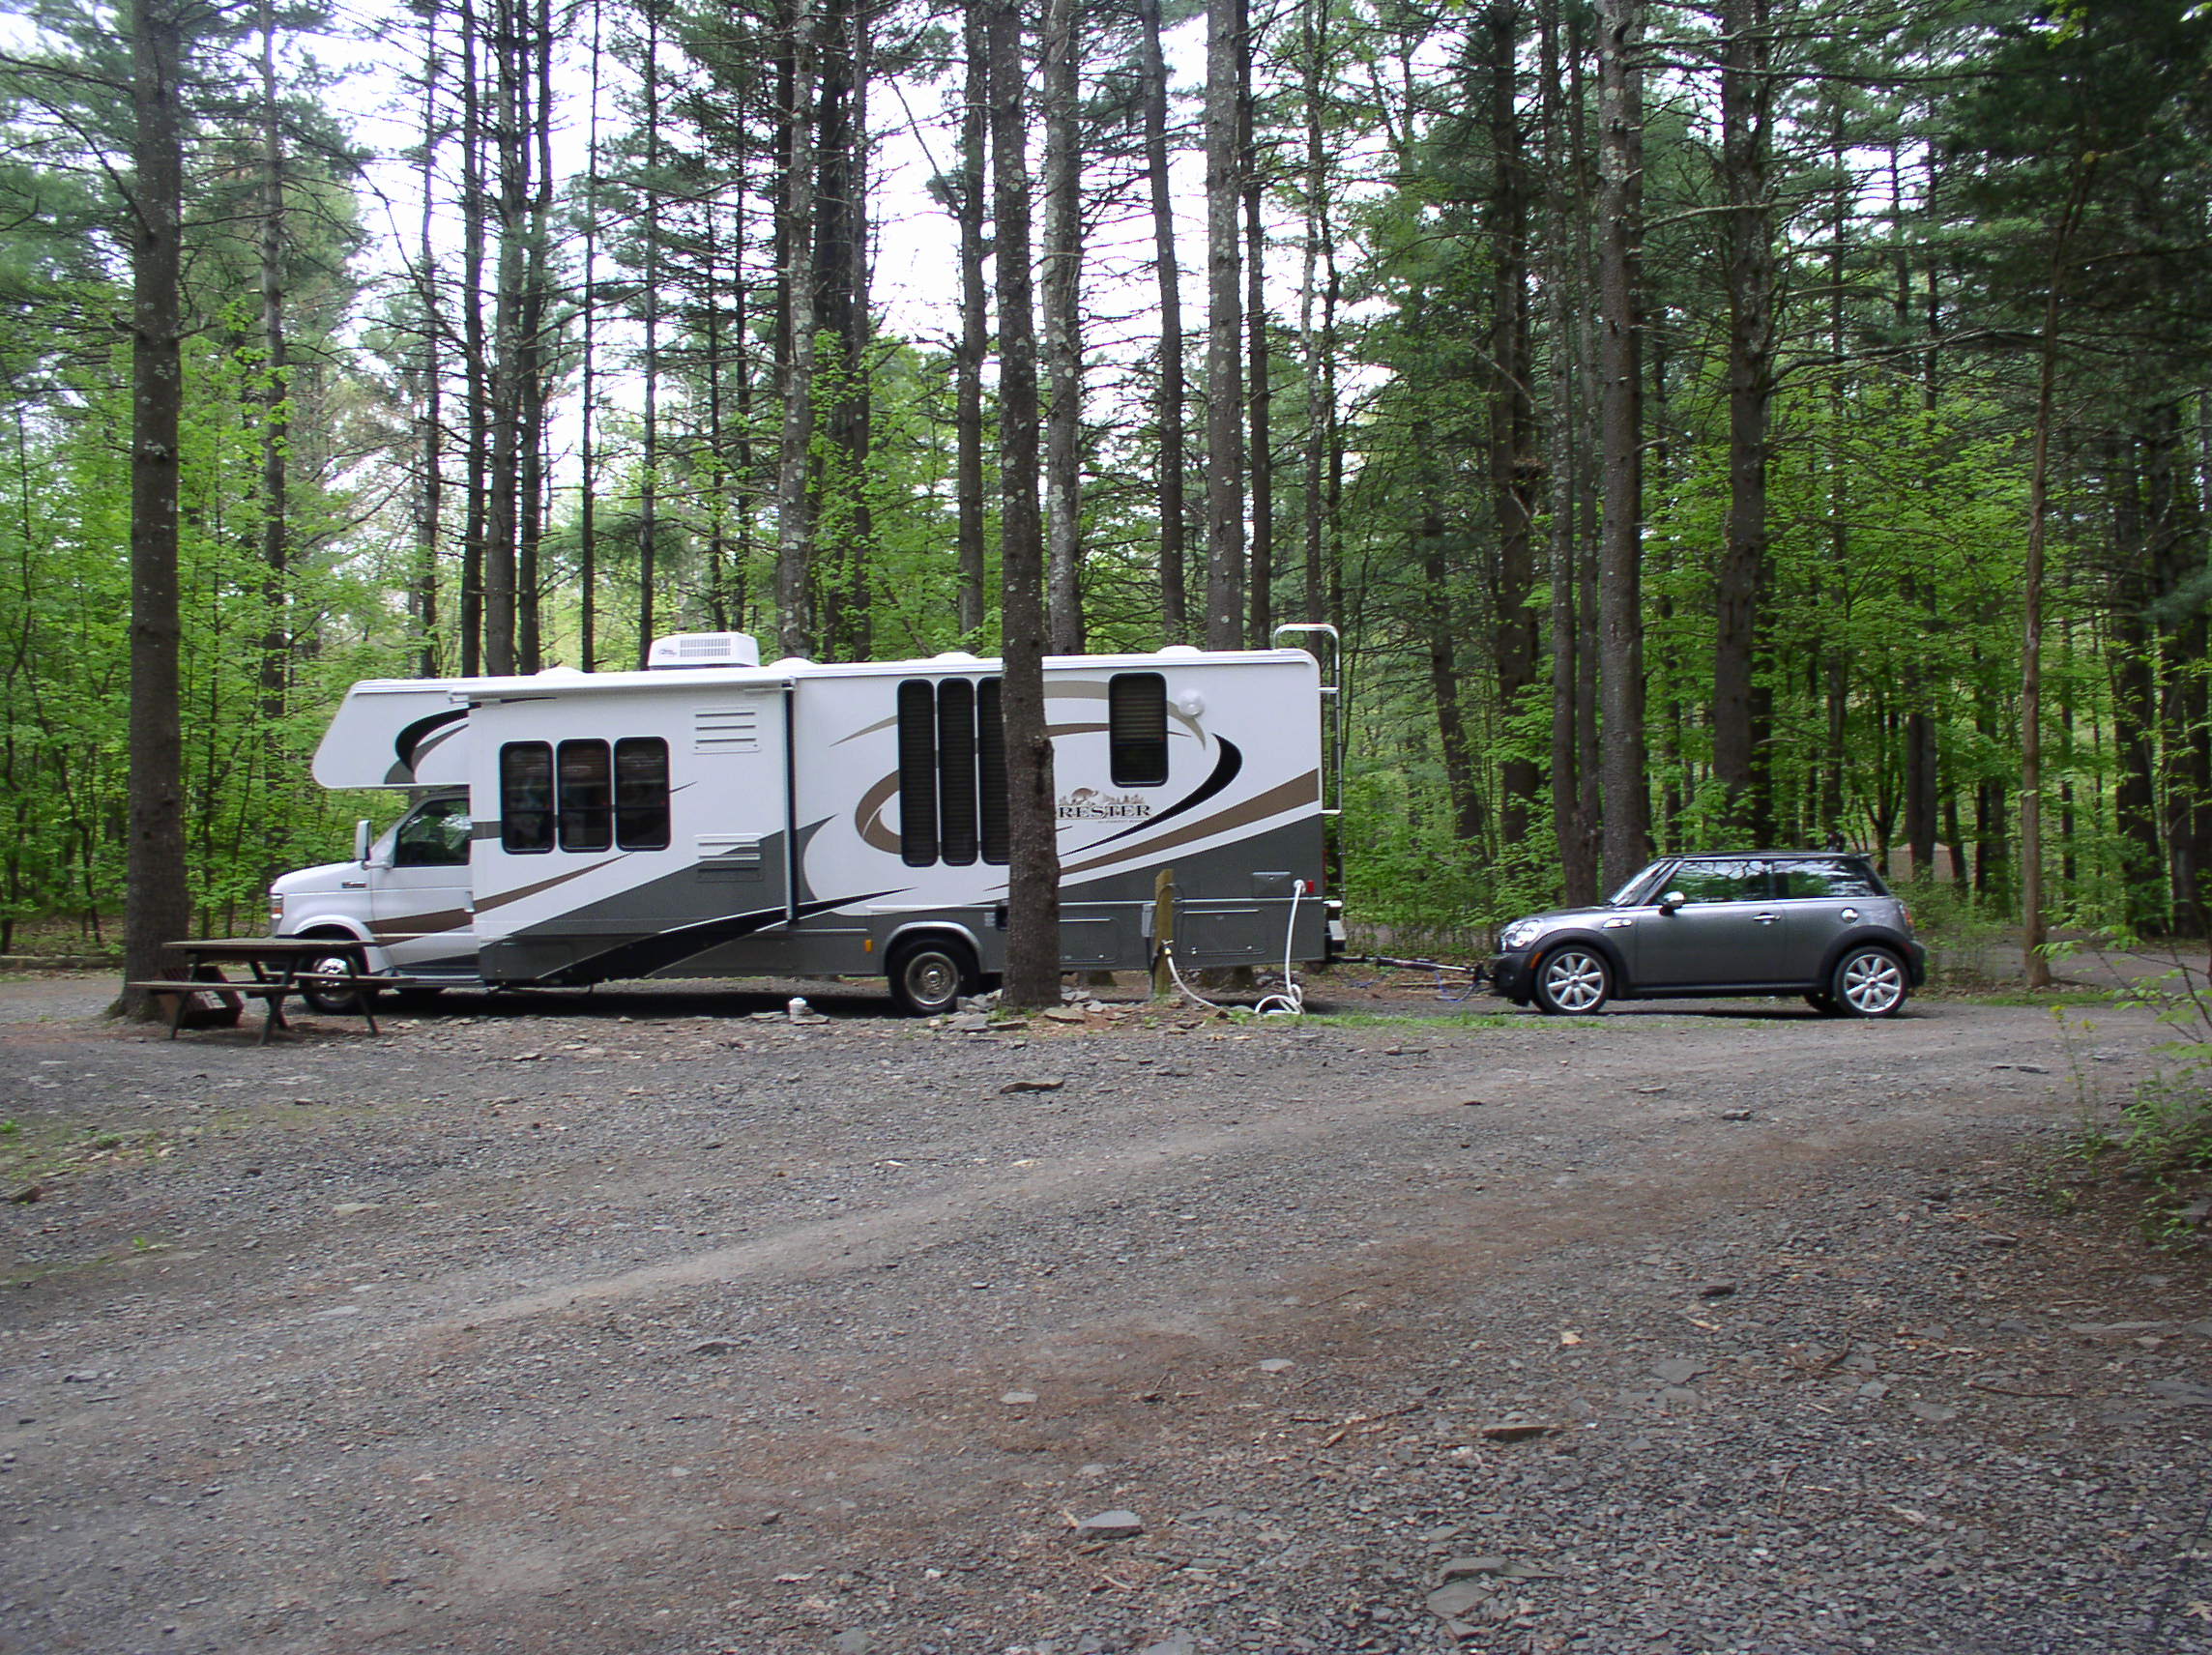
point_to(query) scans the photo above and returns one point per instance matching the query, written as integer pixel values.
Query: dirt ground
(652, 1322)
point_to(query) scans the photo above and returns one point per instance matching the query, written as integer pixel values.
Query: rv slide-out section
(807, 819)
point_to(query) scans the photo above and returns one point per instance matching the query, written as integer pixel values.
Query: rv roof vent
(790, 663)
(703, 650)
(559, 672)
(956, 659)
(1181, 650)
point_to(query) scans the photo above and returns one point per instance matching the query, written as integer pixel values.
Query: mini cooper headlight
(1520, 934)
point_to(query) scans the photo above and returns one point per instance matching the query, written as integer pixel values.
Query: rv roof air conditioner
(703, 650)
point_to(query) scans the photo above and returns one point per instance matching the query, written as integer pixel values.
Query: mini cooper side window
(1730, 881)
(1828, 876)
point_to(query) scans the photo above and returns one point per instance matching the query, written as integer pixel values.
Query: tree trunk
(1627, 841)
(1741, 758)
(648, 299)
(1032, 878)
(2033, 931)
(159, 909)
(275, 392)
(795, 205)
(1224, 333)
(1063, 325)
(587, 414)
(473, 345)
(537, 353)
(1514, 464)
(1258, 373)
(430, 531)
(1175, 614)
(510, 157)
(1314, 343)
(975, 324)
(2129, 649)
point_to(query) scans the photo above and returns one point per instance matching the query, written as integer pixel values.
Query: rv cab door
(420, 905)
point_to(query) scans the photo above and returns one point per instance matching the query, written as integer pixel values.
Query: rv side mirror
(1672, 900)
(360, 841)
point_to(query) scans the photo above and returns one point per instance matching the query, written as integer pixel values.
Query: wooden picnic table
(280, 967)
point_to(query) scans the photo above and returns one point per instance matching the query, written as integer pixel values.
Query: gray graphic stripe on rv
(642, 956)
(1298, 790)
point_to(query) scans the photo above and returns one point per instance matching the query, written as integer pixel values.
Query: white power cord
(1291, 1003)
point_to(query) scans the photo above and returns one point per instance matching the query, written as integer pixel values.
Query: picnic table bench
(280, 968)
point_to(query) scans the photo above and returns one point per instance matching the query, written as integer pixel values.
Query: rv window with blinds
(952, 772)
(584, 794)
(587, 796)
(1137, 728)
(641, 793)
(526, 797)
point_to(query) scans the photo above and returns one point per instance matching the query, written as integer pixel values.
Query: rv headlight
(1520, 934)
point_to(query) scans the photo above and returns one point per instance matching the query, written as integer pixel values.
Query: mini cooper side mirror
(1672, 900)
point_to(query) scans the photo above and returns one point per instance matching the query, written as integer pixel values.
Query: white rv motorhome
(711, 816)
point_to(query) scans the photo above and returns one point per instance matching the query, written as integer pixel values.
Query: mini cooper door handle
(1766, 918)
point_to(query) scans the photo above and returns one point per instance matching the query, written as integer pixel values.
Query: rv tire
(929, 974)
(337, 1003)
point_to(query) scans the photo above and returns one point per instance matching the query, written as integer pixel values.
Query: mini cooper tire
(1572, 981)
(929, 976)
(1869, 982)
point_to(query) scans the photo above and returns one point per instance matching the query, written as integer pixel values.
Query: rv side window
(641, 793)
(1137, 728)
(526, 797)
(990, 770)
(586, 796)
(956, 771)
(918, 772)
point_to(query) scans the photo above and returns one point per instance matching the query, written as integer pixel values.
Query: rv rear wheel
(929, 976)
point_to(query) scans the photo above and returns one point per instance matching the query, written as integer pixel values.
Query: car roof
(1765, 855)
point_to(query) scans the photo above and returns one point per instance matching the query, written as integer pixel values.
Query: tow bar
(1453, 983)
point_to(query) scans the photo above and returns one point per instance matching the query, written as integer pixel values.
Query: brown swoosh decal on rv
(868, 815)
(1298, 790)
(403, 927)
(521, 891)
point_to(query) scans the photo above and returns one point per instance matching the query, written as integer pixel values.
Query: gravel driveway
(637, 1322)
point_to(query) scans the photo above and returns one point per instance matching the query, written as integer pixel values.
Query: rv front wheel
(929, 976)
(330, 1002)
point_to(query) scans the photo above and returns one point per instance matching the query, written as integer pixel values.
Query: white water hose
(1290, 1002)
